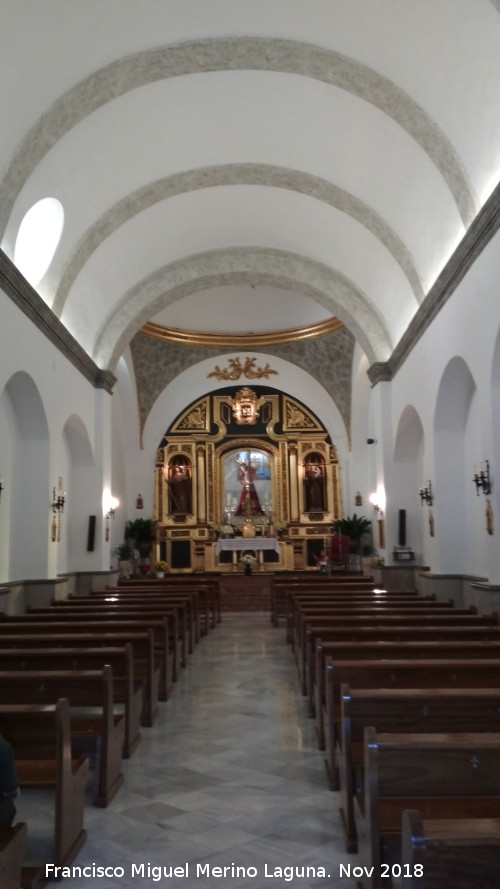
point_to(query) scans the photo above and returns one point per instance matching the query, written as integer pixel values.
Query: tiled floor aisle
(229, 774)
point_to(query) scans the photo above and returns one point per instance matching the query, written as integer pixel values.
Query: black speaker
(91, 534)
(402, 527)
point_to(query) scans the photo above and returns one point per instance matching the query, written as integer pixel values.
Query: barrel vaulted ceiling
(248, 166)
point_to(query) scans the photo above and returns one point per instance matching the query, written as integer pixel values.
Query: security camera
(371, 440)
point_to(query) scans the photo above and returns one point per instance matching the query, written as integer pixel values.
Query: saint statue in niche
(179, 487)
(314, 487)
(248, 503)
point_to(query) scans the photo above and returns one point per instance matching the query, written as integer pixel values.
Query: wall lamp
(374, 500)
(110, 514)
(426, 494)
(482, 479)
(58, 501)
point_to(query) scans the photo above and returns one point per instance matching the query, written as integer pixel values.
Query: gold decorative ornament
(196, 419)
(236, 370)
(246, 406)
(238, 340)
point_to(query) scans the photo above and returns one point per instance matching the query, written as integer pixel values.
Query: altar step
(241, 593)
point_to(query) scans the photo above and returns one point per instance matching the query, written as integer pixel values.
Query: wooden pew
(205, 587)
(283, 587)
(186, 605)
(160, 626)
(127, 691)
(193, 598)
(40, 736)
(415, 651)
(329, 613)
(114, 613)
(442, 775)
(12, 847)
(301, 601)
(312, 609)
(404, 629)
(146, 667)
(401, 710)
(398, 674)
(94, 724)
(460, 852)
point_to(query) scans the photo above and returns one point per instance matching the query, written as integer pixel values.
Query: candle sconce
(482, 479)
(426, 494)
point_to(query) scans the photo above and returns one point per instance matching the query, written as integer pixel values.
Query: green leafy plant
(140, 530)
(354, 527)
(123, 552)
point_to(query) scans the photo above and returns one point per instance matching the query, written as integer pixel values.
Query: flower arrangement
(247, 559)
(161, 566)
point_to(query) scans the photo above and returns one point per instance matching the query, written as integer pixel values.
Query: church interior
(249, 290)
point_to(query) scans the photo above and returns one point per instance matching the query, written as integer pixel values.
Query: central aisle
(229, 774)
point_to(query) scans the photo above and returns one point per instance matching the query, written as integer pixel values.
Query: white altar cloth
(237, 544)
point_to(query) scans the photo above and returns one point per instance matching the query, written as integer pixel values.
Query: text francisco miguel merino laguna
(198, 871)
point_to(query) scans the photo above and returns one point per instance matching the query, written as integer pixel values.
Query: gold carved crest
(246, 406)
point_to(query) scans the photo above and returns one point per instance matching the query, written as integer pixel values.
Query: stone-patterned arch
(215, 268)
(233, 54)
(235, 174)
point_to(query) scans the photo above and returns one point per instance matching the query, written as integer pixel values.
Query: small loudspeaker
(402, 527)
(91, 534)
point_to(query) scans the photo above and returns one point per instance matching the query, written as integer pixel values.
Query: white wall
(451, 383)
(52, 424)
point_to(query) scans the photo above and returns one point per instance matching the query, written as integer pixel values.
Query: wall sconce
(139, 503)
(358, 500)
(482, 479)
(113, 506)
(376, 505)
(58, 501)
(426, 494)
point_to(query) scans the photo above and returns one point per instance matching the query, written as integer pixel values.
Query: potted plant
(368, 555)
(161, 568)
(141, 532)
(354, 527)
(124, 553)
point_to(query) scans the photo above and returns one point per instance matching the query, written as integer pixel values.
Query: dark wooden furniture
(402, 710)
(40, 736)
(460, 852)
(12, 846)
(418, 652)
(127, 691)
(442, 775)
(146, 666)
(95, 728)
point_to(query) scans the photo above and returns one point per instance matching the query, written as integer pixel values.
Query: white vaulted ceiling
(243, 166)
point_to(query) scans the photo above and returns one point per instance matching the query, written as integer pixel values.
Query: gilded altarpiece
(244, 464)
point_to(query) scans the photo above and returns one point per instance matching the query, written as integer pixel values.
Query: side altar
(245, 470)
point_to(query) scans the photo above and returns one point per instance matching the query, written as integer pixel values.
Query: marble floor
(230, 775)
